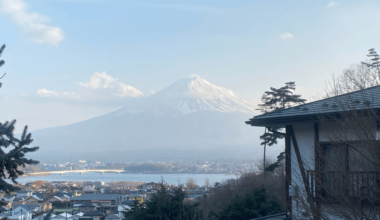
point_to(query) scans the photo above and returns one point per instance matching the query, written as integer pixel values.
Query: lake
(108, 177)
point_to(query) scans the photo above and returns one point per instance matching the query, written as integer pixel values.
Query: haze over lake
(108, 177)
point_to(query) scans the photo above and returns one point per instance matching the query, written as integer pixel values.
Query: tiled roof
(8, 196)
(135, 195)
(69, 194)
(23, 206)
(359, 100)
(79, 214)
(112, 216)
(95, 197)
(87, 205)
(128, 202)
(32, 205)
(93, 213)
(36, 197)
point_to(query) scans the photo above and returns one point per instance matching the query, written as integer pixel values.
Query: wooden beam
(288, 170)
(302, 171)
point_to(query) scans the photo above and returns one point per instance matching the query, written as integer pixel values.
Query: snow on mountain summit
(189, 95)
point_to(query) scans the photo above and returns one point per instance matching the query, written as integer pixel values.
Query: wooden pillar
(309, 197)
(288, 170)
(318, 171)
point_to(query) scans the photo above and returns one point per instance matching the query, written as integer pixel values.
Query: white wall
(304, 133)
(17, 212)
(305, 139)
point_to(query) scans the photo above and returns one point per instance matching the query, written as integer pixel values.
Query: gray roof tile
(359, 100)
(95, 197)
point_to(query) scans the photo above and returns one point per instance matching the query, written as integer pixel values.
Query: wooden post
(288, 170)
(317, 167)
(302, 171)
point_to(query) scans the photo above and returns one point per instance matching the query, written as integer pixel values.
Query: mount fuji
(191, 119)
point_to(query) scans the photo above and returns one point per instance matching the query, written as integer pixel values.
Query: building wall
(328, 132)
(16, 213)
(304, 133)
(140, 199)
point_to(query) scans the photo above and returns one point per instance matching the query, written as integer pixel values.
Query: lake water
(108, 177)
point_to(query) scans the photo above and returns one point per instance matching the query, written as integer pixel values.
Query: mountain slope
(191, 119)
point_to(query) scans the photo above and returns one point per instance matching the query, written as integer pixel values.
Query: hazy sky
(71, 60)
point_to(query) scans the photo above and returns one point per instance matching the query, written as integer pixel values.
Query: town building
(105, 202)
(92, 215)
(113, 217)
(21, 212)
(137, 197)
(24, 193)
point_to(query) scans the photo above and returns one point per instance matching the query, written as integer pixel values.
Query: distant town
(86, 200)
(234, 167)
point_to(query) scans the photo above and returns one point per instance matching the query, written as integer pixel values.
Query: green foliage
(2, 61)
(11, 161)
(164, 206)
(252, 205)
(271, 136)
(15, 158)
(375, 60)
(147, 167)
(277, 100)
(278, 163)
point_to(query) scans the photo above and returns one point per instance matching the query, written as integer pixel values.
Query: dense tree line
(147, 167)
(243, 198)
(165, 205)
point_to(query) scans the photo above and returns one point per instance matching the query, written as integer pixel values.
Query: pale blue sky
(246, 46)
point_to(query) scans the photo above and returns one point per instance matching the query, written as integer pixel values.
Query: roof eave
(281, 121)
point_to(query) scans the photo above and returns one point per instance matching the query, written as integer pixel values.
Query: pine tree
(2, 61)
(374, 63)
(277, 100)
(11, 161)
(164, 205)
(278, 163)
(254, 204)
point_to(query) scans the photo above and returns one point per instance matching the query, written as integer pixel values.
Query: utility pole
(265, 148)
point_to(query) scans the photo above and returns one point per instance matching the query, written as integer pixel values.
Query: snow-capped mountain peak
(189, 95)
(189, 120)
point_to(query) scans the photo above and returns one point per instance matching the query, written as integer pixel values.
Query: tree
(2, 62)
(375, 61)
(357, 77)
(191, 184)
(11, 161)
(164, 205)
(278, 163)
(254, 204)
(207, 184)
(38, 184)
(277, 100)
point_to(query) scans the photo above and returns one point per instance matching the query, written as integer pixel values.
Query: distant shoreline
(170, 178)
(48, 174)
